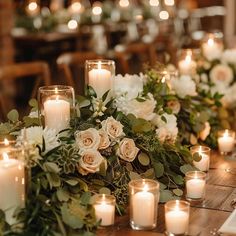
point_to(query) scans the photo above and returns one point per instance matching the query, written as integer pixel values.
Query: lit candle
(56, 5)
(57, 113)
(12, 184)
(187, 66)
(76, 7)
(124, 3)
(105, 209)
(177, 217)
(195, 185)
(100, 80)
(144, 197)
(226, 141)
(204, 153)
(32, 9)
(143, 209)
(211, 49)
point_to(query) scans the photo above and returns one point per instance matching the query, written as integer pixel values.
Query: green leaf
(149, 174)
(85, 198)
(166, 195)
(144, 159)
(33, 103)
(72, 182)
(134, 175)
(104, 190)
(13, 115)
(51, 167)
(104, 96)
(159, 169)
(54, 180)
(178, 192)
(63, 195)
(197, 157)
(178, 179)
(185, 168)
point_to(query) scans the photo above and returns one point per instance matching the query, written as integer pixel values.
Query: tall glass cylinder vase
(99, 75)
(12, 179)
(56, 105)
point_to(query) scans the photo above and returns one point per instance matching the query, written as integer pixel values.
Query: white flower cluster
(92, 141)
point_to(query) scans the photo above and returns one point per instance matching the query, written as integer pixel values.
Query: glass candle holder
(144, 198)
(99, 75)
(166, 76)
(195, 185)
(212, 46)
(12, 179)
(226, 140)
(105, 209)
(177, 217)
(201, 155)
(186, 62)
(56, 104)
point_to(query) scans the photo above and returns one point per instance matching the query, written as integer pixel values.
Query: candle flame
(154, 3)
(99, 65)
(6, 142)
(188, 58)
(177, 203)
(56, 90)
(124, 3)
(32, 6)
(210, 42)
(226, 133)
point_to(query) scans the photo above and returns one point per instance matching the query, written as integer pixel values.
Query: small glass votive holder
(177, 217)
(226, 141)
(201, 154)
(186, 62)
(195, 185)
(56, 105)
(13, 179)
(212, 46)
(144, 198)
(104, 206)
(99, 75)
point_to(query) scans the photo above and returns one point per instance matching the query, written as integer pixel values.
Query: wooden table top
(205, 218)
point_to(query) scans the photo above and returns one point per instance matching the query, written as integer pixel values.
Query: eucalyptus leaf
(178, 179)
(72, 182)
(62, 195)
(54, 180)
(51, 167)
(197, 157)
(144, 159)
(187, 167)
(166, 195)
(13, 115)
(159, 169)
(149, 174)
(85, 198)
(178, 192)
(134, 175)
(104, 190)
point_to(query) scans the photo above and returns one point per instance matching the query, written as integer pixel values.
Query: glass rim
(183, 205)
(229, 131)
(203, 148)
(195, 173)
(102, 62)
(51, 88)
(139, 184)
(101, 197)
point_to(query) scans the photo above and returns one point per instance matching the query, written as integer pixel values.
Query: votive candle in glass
(177, 217)
(144, 198)
(187, 65)
(204, 154)
(12, 180)
(56, 104)
(212, 46)
(105, 209)
(99, 75)
(195, 185)
(226, 140)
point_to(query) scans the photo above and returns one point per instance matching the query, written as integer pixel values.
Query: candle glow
(124, 3)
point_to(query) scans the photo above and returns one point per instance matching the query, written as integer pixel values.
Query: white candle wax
(211, 50)
(187, 66)
(106, 213)
(226, 143)
(203, 164)
(177, 221)
(100, 80)
(195, 188)
(57, 114)
(143, 209)
(12, 184)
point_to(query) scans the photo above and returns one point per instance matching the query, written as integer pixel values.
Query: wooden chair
(75, 60)
(21, 78)
(134, 54)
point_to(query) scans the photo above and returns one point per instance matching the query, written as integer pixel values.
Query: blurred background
(51, 39)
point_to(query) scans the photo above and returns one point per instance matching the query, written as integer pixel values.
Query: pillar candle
(105, 212)
(100, 80)
(195, 188)
(177, 221)
(211, 49)
(12, 184)
(187, 66)
(57, 114)
(226, 142)
(143, 209)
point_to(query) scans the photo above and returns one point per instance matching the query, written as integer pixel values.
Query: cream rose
(127, 150)
(174, 105)
(205, 132)
(87, 139)
(221, 74)
(90, 161)
(104, 140)
(112, 127)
